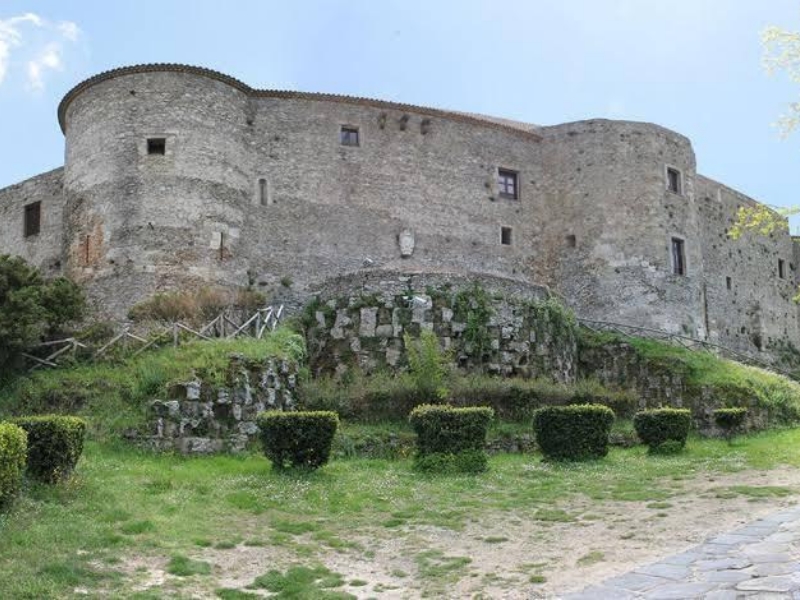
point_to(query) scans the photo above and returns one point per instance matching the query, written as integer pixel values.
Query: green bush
(575, 432)
(663, 429)
(297, 439)
(451, 439)
(55, 444)
(13, 451)
(730, 420)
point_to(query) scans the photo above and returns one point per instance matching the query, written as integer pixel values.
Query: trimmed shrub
(575, 432)
(55, 444)
(663, 429)
(730, 420)
(13, 452)
(297, 439)
(451, 439)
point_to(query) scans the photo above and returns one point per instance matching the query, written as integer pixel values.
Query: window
(673, 180)
(33, 219)
(781, 269)
(157, 146)
(263, 199)
(572, 241)
(728, 282)
(505, 236)
(507, 182)
(349, 136)
(678, 257)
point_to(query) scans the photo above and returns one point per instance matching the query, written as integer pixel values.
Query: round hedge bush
(13, 454)
(574, 432)
(55, 443)
(663, 429)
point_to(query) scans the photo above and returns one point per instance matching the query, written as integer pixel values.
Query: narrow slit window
(33, 219)
(262, 192)
(728, 282)
(507, 182)
(673, 180)
(157, 146)
(349, 136)
(505, 236)
(781, 269)
(678, 257)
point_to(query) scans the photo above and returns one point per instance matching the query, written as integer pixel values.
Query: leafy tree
(31, 307)
(781, 53)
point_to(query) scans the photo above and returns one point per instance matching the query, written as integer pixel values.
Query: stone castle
(178, 176)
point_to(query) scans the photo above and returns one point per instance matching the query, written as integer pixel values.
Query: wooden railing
(223, 326)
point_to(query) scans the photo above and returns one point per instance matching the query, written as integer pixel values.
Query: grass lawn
(136, 524)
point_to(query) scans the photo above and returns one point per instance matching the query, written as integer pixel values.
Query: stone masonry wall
(203, 416)
(487, 324)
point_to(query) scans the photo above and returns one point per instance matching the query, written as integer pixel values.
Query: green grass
(183, 566)
(107, 513)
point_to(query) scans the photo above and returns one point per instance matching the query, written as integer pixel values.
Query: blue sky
(690, 65)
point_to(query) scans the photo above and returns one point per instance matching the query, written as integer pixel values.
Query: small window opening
(505, 236)
(673, 180)
(262, 192)
(572, 241)
(86, 242)
(33, 219)
(507, 182)
(728, 282)
(157, 146)
(349, 136)
(781, 269)
(678, 257)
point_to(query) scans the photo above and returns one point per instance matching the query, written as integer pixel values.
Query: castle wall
(605, 184)
(756, 312)
(255, 188)
(44, 248)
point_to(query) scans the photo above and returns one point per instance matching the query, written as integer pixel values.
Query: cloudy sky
(690, 65)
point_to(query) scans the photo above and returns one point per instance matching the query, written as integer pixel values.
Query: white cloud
(36, 43)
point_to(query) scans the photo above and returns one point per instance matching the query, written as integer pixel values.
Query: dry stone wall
(202, 416)
(490, 324)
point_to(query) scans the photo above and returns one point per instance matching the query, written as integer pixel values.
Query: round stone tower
(156, 163)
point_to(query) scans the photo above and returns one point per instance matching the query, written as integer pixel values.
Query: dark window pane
(33, 219)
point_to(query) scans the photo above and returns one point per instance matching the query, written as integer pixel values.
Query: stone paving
(758, 561)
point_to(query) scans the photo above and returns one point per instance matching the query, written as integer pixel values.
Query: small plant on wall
(427, 364)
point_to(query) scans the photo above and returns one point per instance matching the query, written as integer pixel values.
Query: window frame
(346, 133)
(506, 236)
(669, 170)
(32, 226)
(781, 268)
(504, 175)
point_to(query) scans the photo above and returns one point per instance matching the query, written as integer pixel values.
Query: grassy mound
(709, 380)
(113, 396)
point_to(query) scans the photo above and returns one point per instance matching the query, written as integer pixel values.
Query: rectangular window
(507, 182)
(673, 180)
(33, 219)
(505, 236)
(678, 257)
(781, 269)
(728, 282)
(157, 146)
(349, 136)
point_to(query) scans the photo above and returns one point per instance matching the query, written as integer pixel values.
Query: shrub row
(47, 447)
(451, 439)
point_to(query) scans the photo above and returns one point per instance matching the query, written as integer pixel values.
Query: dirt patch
(520, 554)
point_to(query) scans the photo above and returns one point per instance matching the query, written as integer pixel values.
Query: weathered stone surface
(221, 418)
(386, 306)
